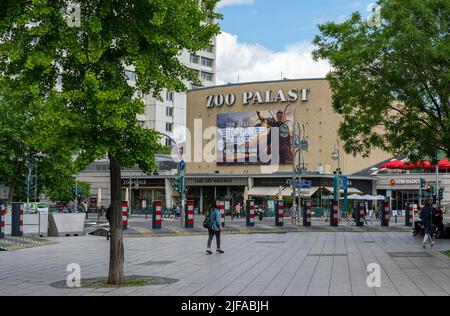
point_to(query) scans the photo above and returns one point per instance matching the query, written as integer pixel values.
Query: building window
(210, 49)
(207, 62)
(131, 75)
(169, 111)
(168, 142)
(169, 127)
(139, 94)
(195, 59)
(169, 96)
(207, 76)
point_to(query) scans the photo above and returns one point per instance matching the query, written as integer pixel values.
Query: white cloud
(257, 63)
(224, 3)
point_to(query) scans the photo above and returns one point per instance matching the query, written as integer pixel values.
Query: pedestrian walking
(108, 218)
(426, 215)
(213, 223)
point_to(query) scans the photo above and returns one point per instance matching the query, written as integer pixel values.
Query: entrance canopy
(350, 190)
(273, 192)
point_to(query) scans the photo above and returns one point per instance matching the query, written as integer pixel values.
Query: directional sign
(343, 183)
(301, 184)
(182, 165)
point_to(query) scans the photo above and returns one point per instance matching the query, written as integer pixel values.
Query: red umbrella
(424, 164)
(393, 164)
(444, 164)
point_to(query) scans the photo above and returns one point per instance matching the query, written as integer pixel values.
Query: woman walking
(426, 215)
(213, 221)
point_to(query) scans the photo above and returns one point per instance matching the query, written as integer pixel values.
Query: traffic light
(441, 194)
(179, 184)
(422, 183)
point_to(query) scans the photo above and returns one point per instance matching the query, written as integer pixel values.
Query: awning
(350, 190)
(273, 192)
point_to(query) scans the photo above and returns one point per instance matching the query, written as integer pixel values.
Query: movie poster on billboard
(246, 137)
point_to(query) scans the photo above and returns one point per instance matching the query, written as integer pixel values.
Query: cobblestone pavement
(313, 263)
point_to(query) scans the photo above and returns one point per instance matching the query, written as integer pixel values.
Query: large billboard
(260, 137)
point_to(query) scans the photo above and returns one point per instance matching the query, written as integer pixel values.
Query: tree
(97, 113)
(390, 80)
(66, 191)
(21, 108)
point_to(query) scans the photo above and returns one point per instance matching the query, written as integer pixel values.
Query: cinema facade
(229, 126)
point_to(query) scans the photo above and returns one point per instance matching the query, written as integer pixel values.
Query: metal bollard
(409, 215)
(189, 218)
(156, 218)
(17, 220)
(361, 215)
(334, 215)
(124, 215)
(250, 213)
(279, 213)
(2, 220)
(307, 207)
(222, 212)
(385, 215)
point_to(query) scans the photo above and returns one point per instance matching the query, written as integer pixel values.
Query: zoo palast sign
(258, 97)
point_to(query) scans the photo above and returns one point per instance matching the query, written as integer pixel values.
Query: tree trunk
(116, 253)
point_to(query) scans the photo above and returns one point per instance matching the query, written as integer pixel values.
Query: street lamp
(336, 156)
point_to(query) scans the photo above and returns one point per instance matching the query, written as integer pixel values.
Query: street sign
(182, 165)
(300, 184)
(343, 183)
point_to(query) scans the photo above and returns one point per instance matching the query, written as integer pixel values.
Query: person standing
(237, 210)
(426, 215)
(214, 228)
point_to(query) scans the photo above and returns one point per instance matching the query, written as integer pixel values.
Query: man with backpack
(212, 222)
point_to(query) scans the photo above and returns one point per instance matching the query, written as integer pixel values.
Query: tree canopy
(390, 80)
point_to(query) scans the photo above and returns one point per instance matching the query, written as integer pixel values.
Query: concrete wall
(31, 224)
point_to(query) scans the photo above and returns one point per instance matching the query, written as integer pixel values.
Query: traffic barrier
(250, 213)
(361, 214)
(409, 215)
(189, 218)
(222, 212)
(385, 215)
(17, 220)
(156, 218)
(334, 214)
(65, 225)
(279, 213)
(307, 214)
(124, 215)
(2, 221)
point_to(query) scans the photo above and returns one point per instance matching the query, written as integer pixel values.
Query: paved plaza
(292, 264)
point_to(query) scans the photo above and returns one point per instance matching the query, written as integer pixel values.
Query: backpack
(207, 222)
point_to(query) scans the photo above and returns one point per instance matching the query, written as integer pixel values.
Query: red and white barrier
(124, 215)
(222, 212)
(2, 221)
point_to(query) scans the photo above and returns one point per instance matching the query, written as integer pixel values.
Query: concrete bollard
(409, 215)
(189, 218)
(17, 220)
(385, 215)
(334, 215)
(156, 218)
(250, 213)
(307, 214)
(2, 220)
(361, 214)
(124, 215)
(222, 212)
(279, 213)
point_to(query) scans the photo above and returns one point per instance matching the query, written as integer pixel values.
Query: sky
(272, 39)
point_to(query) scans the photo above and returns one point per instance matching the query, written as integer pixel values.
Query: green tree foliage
(96, 114)
(66, 191)
(390, 81)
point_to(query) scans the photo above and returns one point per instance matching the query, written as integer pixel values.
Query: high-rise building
(168, 117)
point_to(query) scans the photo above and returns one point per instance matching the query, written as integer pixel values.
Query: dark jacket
(426, 215)
(108, 214)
